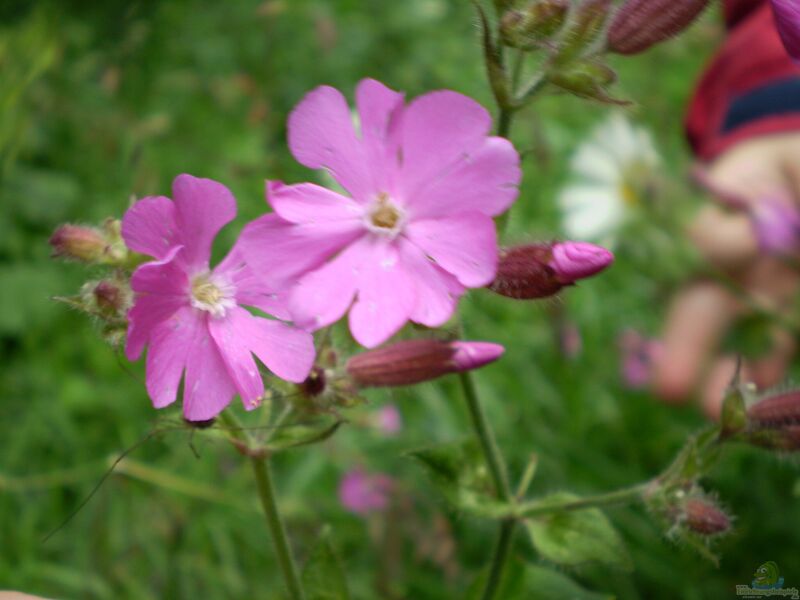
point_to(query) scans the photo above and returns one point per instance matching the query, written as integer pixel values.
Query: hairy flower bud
(586, 79)
(112, 298)
(86, 244)
(585, 24)
(90, 244)
(537, 21)
(640, 24)
(541, 270)
(702, 516)
(415, 361)
(774, 422)
(787, 18)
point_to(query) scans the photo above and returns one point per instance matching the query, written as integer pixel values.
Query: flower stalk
(262, 471)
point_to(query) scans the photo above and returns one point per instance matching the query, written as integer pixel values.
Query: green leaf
(460, 474)
(576, 537)
(523, 581)
(323, 576)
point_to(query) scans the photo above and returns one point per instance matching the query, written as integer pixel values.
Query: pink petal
(437, 290)
(161, 289)
(310, 203)
(386, 296)
(230, 333)
(483, 181)
(172, 341)
(380, 111)
(787, 18)
(148, 227)
(202, 207)
(323, 296)
(464, 245)
(287, 351)
(280, 252)
(251, 289)
(321, 135)
(207, 387)
(437, 130)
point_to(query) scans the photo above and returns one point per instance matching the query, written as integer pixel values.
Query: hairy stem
(262, 471)
(497, 468)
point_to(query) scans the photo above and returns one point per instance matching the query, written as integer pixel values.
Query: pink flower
(190, 315)
(787, 17)
(387, 420)
(363, 493)
(638, 357)
(578, 260)
(424, 181)
(776, 223)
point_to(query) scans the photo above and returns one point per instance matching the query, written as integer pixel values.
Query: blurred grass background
(101, 101)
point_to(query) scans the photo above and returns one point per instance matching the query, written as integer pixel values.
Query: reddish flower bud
(640, 24)
(542, 270)
(774, 423)
(704, 517)
(314, 384)
(776, 411)
(112, 298)
(415, 361)
(86, 244)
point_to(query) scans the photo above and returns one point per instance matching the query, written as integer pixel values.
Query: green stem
(266, 494)
(497, 468)
(623, 496)
(504, 119)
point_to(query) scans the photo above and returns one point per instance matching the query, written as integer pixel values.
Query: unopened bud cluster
(541, 270)
(94, 245)
(774, 422)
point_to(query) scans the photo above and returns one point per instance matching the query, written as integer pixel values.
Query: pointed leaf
(578, 536)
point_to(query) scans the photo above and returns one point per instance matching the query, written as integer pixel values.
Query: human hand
(753, 248)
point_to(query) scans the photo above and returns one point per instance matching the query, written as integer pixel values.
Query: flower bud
(542, 270)
(90, 244)
(314, 384)
(702, 516)
(415, 361)
(578, 260)
(585, 25)
(112, 298)
(787, 18)
(640, 24)
(774, 422)
(539, 20)
(586, 79)
(776, 223)
(86, 244)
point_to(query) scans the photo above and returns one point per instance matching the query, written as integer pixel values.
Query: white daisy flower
(612, 171)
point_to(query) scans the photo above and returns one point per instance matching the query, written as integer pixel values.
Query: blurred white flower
(612, 172)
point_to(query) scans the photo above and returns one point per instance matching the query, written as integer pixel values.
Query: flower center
(384, 216)
(212, 294)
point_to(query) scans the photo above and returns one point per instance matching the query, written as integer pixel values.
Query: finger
(697, 319)
(770, 370)
(725, 239)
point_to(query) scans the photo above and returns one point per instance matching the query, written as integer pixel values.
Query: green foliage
(323, 576)
(577, 537)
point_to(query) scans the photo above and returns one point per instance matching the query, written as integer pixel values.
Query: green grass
(101, 101)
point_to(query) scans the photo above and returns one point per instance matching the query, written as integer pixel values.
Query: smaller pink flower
(776, 223)
(387, 420)
(638, 356)
(363, 493)
(578, 260)
(190, 315)
(787, 18)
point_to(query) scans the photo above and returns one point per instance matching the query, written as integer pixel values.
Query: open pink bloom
(364, 493)
(190, 315)
(787, 17)
(424, 181)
